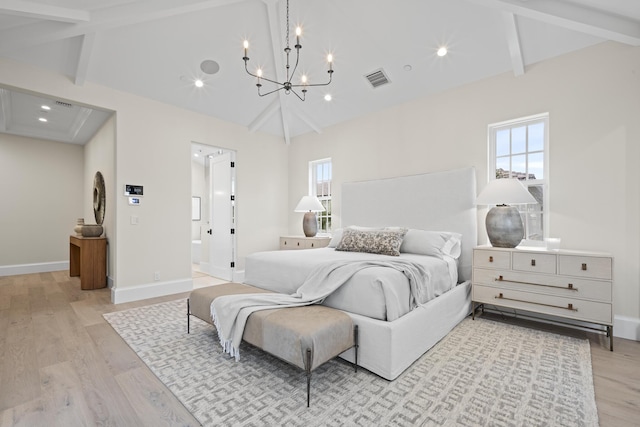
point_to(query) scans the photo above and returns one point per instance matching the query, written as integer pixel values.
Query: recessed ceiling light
(327, 97)
(45, 107)
(442, 51)
(199, 83)
(407, 67)
(42, 119)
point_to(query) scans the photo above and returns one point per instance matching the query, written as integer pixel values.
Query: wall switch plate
(156, 276)
(134, 220)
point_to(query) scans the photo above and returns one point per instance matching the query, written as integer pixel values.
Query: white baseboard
(42, 267)
(238, 276)
(626, 327)
(121, 295)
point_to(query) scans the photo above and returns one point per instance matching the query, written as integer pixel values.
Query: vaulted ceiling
(156, 49)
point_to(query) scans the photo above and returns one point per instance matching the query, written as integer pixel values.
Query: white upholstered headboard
(440, 201)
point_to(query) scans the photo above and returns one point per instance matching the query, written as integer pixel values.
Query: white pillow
(335, 238)
(433, 243)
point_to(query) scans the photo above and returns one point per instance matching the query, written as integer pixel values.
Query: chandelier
(287, 86)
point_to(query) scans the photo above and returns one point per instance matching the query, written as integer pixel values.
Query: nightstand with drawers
(573, 285)
(299, 242)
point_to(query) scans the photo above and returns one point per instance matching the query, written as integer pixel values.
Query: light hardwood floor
(62, 364)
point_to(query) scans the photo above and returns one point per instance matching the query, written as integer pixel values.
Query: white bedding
(377, 292)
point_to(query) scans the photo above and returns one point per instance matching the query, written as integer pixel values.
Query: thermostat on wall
(132, 190)
(134, 201)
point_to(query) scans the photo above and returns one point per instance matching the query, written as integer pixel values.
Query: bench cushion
(200, 299)
(286, 333)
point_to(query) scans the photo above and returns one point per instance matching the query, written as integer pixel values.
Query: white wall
(99, 155)
(153, 143)
(41, 185)
(593, 100)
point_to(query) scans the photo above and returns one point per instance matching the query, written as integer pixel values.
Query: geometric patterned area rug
(484, 373)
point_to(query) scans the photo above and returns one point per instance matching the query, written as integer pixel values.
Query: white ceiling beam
(307, 120)
(31, 9)
(24, 36)
(83, 58)
(513, 41)
(275, 30)
(265, 115)
(572, 17)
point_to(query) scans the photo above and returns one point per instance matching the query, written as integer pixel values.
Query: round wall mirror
(98, 198)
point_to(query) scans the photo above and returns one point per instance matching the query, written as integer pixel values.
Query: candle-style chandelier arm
(259, 77)
(287, 85)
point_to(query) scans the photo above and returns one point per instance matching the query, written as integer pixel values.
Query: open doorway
(213, 221)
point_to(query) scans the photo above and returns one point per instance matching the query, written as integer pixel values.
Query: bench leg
(188, 317)
(356, 338)
(308, 371)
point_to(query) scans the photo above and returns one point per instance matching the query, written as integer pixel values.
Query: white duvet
(377, 292)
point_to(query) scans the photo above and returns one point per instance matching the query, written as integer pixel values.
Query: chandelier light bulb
(442, 51)
(304, 79)
(298, 31)
(259, 72)
(327, 97)
(199, 83)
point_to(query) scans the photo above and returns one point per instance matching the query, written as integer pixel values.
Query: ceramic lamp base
(309, 224)
(504, 226)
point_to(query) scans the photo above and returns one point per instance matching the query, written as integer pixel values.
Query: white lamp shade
(309, 204)
(505, 192)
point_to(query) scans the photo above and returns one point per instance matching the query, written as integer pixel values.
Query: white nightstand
(300, 242)
(573, 285)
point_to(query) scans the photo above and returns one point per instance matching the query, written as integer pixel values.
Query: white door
(221, 222)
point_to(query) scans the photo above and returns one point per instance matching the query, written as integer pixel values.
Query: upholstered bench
(306, 336)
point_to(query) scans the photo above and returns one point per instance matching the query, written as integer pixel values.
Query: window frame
(492, 131)
(326, 201)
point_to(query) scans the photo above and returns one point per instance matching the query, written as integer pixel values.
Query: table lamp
(310, 205)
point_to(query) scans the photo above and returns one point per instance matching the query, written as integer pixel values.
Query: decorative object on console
(310, 205)
(504, 225)
(287, 85)
(99, 199)
(78, 228)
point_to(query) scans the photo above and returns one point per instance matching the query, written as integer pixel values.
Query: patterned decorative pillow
(383, 242)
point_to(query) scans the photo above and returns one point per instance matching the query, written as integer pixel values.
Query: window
(320, 186)
(519, 149)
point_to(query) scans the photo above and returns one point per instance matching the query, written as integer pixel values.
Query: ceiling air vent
(378, 78)
(64, 104)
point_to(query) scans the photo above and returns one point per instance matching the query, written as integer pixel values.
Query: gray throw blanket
(230, 312)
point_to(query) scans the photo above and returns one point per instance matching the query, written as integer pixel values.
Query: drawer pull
(298, 243)
(568, 307)
(584, 266)
(569, 287)
(533, 263)
(490, 259)
(312, 244)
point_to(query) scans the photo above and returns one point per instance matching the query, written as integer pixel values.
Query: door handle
(209, 231)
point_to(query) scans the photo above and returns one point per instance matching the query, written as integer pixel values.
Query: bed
(395, 330)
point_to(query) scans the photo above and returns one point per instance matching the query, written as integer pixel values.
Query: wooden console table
(88, 259)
